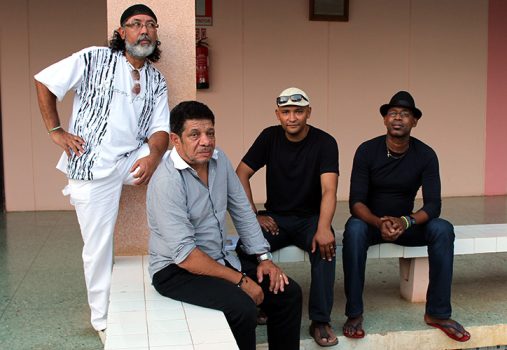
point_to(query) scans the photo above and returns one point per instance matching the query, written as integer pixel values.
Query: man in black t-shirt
(302, 178)
(386, 174)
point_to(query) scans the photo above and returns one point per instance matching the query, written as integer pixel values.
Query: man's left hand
(277, 278)
(326, 242)
(143, 169)
(392, 228)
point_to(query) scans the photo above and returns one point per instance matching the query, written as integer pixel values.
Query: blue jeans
(437, 234)
(299, 231)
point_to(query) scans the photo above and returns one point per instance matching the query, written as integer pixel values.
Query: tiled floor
(43, 300)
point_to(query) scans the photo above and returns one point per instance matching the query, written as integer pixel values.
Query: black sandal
(323, 337)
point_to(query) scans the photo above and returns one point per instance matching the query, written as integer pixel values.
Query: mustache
(143, 37)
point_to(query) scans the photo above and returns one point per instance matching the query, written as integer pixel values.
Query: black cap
(138, 9)
(401, 99)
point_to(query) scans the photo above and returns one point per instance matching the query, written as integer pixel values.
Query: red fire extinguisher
(202, 64)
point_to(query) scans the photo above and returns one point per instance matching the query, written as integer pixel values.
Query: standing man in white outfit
(118, 133)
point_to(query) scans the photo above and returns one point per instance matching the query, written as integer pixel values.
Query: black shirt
(293, 169)
(388, 186)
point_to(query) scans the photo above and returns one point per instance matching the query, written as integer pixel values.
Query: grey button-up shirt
(184, 213)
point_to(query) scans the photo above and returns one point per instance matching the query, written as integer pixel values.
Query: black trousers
(283, 309)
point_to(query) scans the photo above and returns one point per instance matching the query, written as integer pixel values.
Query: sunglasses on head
(294, 98)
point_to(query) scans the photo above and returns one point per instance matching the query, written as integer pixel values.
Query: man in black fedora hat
(386, 174)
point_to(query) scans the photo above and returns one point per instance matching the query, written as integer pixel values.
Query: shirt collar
(180, 164)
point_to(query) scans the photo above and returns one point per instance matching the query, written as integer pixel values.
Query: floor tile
(133, 316)
(217, 346)
(165, 326)
(128, 305)
(163, 304)
(127, 328)
(217, 322)
(126, 341)
(174, 314)
(206, 336)
(170, 338)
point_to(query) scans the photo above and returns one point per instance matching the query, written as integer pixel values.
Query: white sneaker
(102, 336)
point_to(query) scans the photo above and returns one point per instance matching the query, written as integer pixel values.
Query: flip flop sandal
(322, 338)
(446, 327)
(357, 328)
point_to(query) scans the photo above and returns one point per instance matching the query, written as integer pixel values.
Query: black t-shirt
(293, 169)
(388, 186)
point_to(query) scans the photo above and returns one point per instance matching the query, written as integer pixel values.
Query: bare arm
(244, 173)
(47, 105)
(361, 211)
(199, 263)
(324, 237)
(158, 143)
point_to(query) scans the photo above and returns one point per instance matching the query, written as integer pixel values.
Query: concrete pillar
(414, 278)
(177, 34)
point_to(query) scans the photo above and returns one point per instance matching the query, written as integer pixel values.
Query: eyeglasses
(294, 98)
(403, 114)
(136, 76)
(137, 26)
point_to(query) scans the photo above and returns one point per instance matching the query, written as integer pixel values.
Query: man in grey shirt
(187, 201)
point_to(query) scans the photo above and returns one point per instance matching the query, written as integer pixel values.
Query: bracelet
(243, 278)
(54, 129)
(407, 221)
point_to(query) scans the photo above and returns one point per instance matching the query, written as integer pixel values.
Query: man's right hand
(68, 142)
(250, 287)
(390, 228)
(268, 224)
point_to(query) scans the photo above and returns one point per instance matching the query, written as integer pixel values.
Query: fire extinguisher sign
(203, 13)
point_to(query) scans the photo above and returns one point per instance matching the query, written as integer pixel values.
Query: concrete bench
(140, 318)
(470, 239)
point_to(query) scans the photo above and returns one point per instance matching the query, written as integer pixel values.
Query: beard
(140, 51)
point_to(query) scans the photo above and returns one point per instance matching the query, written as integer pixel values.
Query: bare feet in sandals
(323, 334)
(450, 327)
(353, 328)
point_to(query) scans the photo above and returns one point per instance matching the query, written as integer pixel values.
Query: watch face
(265, 256)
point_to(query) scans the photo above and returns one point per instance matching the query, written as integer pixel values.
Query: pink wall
(39, 33)
(434, 48)
(438, 49)
(496, 130)
(47, 31)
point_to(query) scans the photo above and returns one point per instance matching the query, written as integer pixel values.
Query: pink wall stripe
(496, 113)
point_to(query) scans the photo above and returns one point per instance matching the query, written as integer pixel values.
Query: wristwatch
(412, 221)
(265, 256)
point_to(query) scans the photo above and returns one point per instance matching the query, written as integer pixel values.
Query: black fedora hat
(401, 99)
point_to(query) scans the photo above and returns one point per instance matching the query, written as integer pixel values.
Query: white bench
(140, 318)
(470, 239)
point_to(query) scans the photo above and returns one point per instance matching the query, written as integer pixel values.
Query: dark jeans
(299, 231)
(437, 234)
(283, 309)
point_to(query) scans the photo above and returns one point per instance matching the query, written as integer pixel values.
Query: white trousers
(96, 203)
